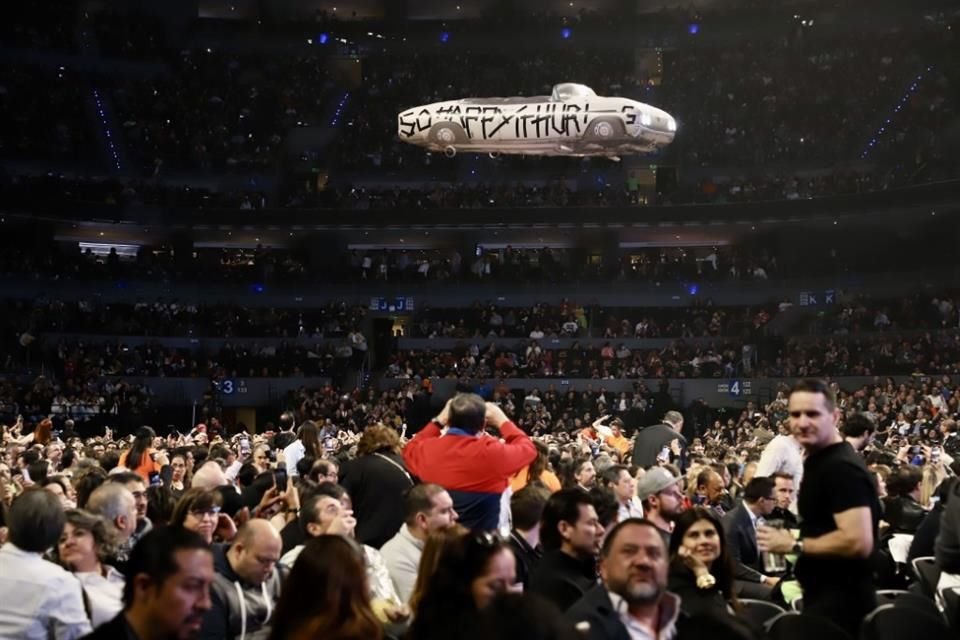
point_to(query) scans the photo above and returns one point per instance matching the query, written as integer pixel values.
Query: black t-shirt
(835, 479)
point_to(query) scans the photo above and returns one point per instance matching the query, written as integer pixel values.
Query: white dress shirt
(39, 600)
(292, 454)
(669, 612)
(104, 593)
(632, 509)
(783, 454)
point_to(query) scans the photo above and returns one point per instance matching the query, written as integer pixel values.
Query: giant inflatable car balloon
(571, 121)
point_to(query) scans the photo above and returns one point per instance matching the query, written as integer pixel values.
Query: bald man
(209, 476)
(246, 569)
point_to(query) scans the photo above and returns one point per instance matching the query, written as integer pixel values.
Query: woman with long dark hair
(326, 596)
(307, 445)
(140, 458)
(470, 573)
(701, 568)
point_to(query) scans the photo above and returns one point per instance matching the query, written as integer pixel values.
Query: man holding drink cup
(839, 512)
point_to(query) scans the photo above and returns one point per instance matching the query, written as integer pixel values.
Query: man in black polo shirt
(839, 512)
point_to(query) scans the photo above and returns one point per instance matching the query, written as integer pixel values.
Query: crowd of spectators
(930, 353)
(909, 313)
(501, 264)
(172, 318)
(607, 362)
(69, 359)
(131, 35)
(815, 100)
(50, 26)
(221, 111)
(43, 115)
(79, 398)
(50, 191)
(110, 194)
(262, 515)
(572, 320)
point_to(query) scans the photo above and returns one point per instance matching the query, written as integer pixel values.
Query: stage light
(323, 37)
(693, 28)
(566, 32)
(444, 36)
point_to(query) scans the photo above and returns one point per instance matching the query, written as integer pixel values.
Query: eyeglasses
(209, 511)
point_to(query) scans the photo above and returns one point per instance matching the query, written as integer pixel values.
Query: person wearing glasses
(199, 511)
(740, 525)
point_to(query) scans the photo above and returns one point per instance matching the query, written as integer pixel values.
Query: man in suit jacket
(632, 598)
(165, 565)
(651, 441)
(740, 526)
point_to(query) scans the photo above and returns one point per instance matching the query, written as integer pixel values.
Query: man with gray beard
(632, 600)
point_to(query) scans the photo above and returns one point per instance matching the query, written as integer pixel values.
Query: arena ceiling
(452, 9)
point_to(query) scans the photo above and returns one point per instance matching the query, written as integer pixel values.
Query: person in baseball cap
(662, 499)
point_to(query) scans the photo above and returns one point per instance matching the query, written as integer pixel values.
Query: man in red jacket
(473, 467)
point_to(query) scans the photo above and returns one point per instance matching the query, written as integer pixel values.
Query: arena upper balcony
(905, 205)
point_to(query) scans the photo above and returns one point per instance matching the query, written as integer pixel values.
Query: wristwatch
(797, 547)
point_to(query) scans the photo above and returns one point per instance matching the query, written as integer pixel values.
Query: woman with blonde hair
(933, 475)
(377, 481)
